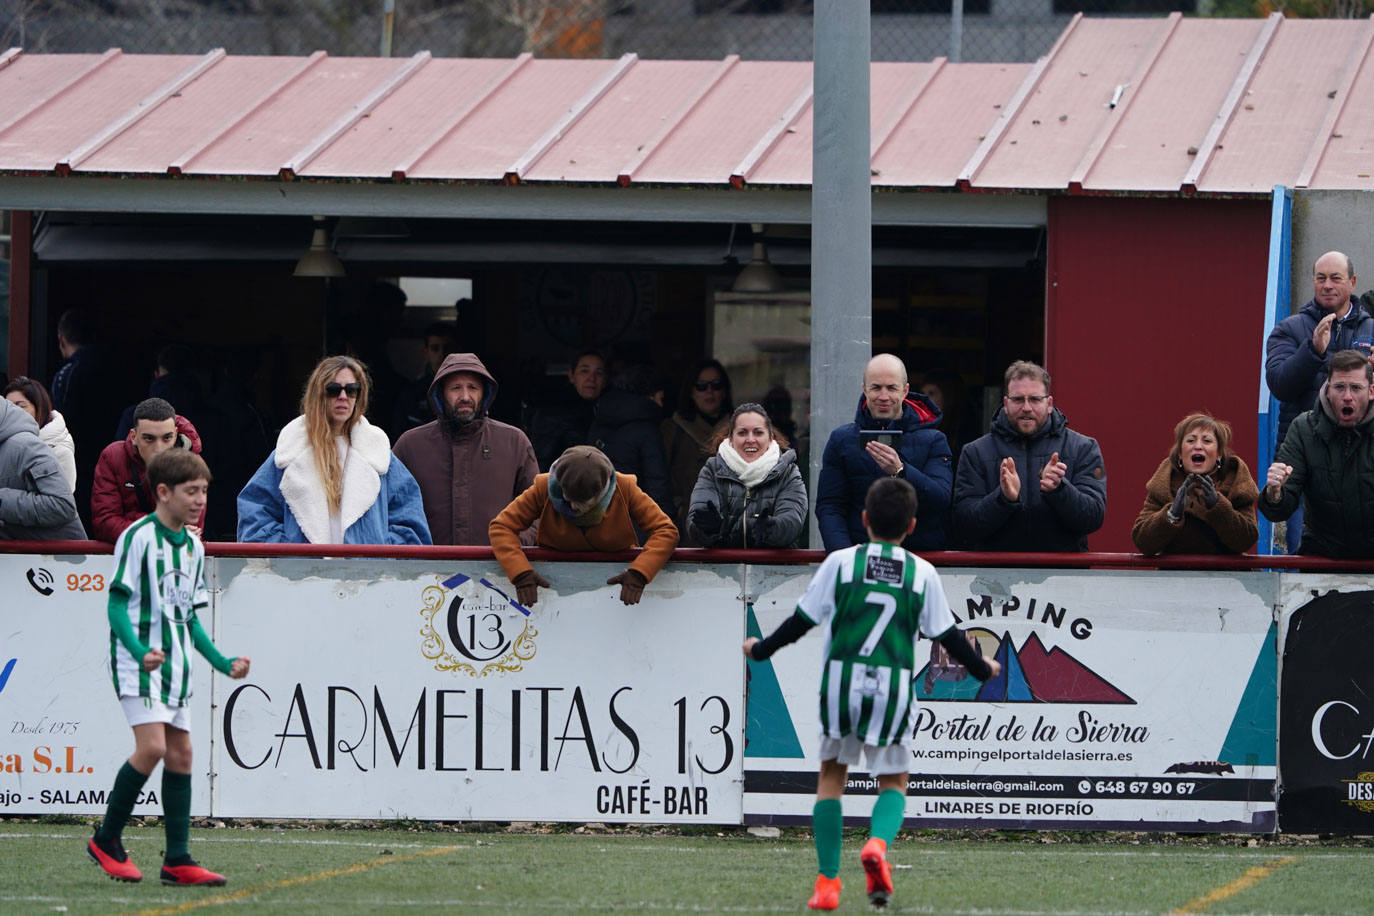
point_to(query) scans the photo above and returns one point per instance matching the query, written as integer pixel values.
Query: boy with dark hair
(875, 600)
(120, 493)
(156, 590)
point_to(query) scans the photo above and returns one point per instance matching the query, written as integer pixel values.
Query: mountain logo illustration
(1031, 674)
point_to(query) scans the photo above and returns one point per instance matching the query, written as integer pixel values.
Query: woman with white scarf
(750, 492)
(30, 395)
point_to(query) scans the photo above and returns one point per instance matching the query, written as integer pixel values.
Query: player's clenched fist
(154, 659)
(238, 668)
(1275, 479)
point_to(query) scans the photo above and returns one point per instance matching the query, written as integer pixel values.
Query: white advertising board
(417, 689)
(1128, 700)
(385, 689)
(64, 734)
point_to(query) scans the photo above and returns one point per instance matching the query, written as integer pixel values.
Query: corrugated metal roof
(1164, 105)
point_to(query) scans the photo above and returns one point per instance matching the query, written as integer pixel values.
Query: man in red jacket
(119, 490)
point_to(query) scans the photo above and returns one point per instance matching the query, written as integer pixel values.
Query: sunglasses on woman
(714, 384)
(334, 389)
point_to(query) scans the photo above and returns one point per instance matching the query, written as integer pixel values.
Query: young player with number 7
(874, 600)
(157, 588)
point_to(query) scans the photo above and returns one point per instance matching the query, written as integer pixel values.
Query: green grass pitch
(275, 869)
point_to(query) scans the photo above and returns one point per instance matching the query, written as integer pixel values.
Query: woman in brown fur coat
(1201, 498)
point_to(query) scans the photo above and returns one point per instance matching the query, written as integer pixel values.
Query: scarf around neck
(750, 473)
(592, 516)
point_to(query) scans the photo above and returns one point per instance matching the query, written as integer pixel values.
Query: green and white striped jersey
(874, 599)
(159, 582)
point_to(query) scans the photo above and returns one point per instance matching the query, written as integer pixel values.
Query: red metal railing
(945, 558)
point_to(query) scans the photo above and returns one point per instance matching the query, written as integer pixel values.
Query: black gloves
(1208, 490)
(707, 519)
(1202, 485)
(527, 586)
(762, 529)
(1180, 500)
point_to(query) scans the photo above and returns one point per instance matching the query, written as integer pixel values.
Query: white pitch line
(781, 848)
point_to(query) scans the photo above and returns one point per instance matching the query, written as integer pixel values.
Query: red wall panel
(1154, 309)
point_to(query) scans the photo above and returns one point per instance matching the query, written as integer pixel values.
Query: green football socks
(888, 812)
(128, 783)
(176, 812)
(827, 823)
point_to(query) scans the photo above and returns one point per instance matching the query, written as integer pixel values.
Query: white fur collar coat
(369, 456)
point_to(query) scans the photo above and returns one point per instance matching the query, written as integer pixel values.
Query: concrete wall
(1331, 220)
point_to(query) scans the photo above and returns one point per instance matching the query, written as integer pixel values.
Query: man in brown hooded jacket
(468, 465)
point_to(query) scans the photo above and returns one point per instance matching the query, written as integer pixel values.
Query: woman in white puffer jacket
(30, 395)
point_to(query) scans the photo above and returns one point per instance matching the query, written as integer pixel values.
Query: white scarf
(750, 473)
(369, 457)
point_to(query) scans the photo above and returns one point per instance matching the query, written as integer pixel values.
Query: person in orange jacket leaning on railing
(582, 504)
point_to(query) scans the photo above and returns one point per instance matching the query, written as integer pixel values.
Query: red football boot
(189, 874)
(827, 895)
(878, 871)
(110, 856)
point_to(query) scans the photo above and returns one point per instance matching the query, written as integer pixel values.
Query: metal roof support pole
(841, 222)
(388, 25)
(956, 30)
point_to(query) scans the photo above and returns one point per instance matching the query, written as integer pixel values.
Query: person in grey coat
(36, 504)
(750, 492)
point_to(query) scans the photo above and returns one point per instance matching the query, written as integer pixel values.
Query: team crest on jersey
(887, 570)
(472, 627)
(178, 590)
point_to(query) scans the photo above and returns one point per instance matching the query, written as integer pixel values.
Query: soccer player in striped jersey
(874, 601)
(155, 593)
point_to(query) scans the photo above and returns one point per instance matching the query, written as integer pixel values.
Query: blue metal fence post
(1277, 305)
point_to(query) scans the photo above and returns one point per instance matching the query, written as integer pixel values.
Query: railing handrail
(941, 558)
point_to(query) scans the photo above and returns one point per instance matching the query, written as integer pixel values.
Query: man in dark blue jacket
(1298, 352)
(912, 448)
(1032, 484)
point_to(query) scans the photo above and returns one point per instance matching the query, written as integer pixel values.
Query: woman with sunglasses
(689, 434)
(332, 478)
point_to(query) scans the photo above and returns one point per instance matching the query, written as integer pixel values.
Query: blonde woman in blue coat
(332, 478)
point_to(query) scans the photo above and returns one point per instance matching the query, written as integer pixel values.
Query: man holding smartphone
(894, 434)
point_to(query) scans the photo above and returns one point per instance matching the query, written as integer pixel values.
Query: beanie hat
(582, 472)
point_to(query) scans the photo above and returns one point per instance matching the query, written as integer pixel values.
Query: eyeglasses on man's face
(1341, 388)
(714, 384)
(1034, 400)
(334, 389)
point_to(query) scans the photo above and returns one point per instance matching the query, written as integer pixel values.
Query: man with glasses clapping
(1032, 484)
